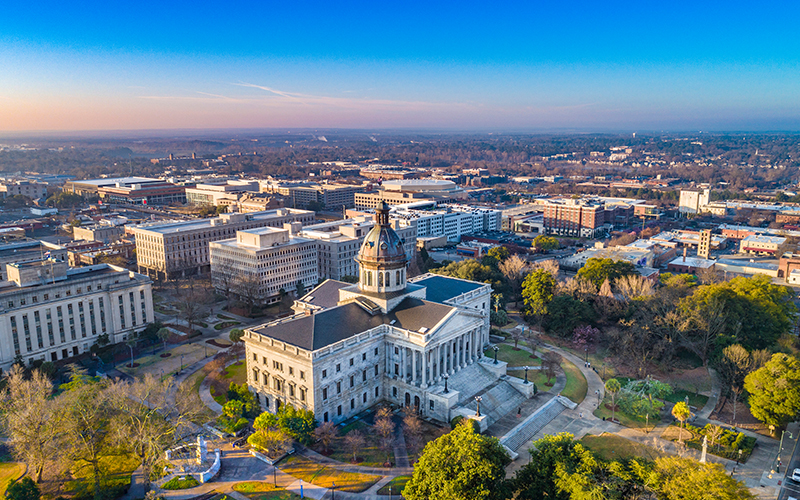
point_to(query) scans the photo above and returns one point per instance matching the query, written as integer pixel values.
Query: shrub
(177, 483)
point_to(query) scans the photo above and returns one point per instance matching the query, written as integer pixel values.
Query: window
(47, 296)
(394, 391)
(291, 370)
(396, 369)
(352, 381)
(339, 410)
(325, 395)
(255, 374)
(302, 375)
(431, 405)
(364, 376)
(376, 392)
(364, 397)
(351, 361)
(338, 367)
(255, 357)
(10, 304)
(324, 373)
(338, 387)
(325, 417)
(352, 403)
(266, 378)
(35, 298)
(376, 351)
(363, 356)
(302, 394)
(397, 350)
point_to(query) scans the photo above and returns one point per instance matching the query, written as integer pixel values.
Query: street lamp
(333, 491)
(495, 348)
(780, 449)
(181, 364)
(445, 376)
(597, 393)
(586, 355)
(526, 374)
(274, 477)
(478, 399)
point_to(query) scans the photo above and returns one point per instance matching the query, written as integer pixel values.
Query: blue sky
(461, 65)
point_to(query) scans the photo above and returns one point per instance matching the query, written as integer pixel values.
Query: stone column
(413, 366)
(424, 368)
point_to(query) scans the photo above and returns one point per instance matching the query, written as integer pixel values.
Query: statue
(705, 450)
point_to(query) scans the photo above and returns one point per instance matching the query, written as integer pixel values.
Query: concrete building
(384, 339)
(49, 312)
(761, 244)
(213, 194)
(692, 201)
(33, 190)
(401, 192)
(258, 263)
(166, 249)
(98, 232)
(451, 221)
(90, 187)
(28, 250)
(584, 218)
(338, 243)
(300, 194)
(689, 265)
(139, 193)
(704, 245)
(745, 267)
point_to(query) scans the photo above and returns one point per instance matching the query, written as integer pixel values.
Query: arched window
(369, 278)
(397, 276)
(380, 278)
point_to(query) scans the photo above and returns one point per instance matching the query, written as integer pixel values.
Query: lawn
(222, 316)
(397, 485)
(576, 386)
(696, 400)
(116, 468)
(8, 473)
(369, 456)
(632, 421)
(233, 373)
(512, 357)
(180, 483)
(612, 447)
(322, 475)
(259, 490)
(194, 382)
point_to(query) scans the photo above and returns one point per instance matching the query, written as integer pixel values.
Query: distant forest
(737, 159)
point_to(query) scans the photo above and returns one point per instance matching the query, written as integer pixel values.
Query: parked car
(796, 475)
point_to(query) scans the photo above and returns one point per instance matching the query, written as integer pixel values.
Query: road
(790, 488)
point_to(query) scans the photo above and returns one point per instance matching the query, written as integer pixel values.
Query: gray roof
(325, 295)
(441, 288)
(333, 325)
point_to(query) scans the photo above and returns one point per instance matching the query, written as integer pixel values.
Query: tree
(517, 334)
(273, 442)
(24, 489)
(514, 268)
(543, 242)
(236, 335)
(131, 343)
(613, 387)
(550, 363)
(326, 433)
(299, 424)
(412, 426)
(500, 253)
(247, 287)
(732, 367)
(687, 479)
(353, 442)
(597, 270)
(681, 412)
(301, 289)
(164, 335)
(536, 479)
(537, 292)
(384, 427)
(461, 465)
(634, 287)
(775, 390)
(30, 418)
(194, 303)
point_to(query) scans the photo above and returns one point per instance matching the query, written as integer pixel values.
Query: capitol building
(411, 342)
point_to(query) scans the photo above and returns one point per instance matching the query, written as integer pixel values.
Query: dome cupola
(382, 258)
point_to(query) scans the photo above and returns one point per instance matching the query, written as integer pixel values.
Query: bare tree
(517, 334)
(164, 335)
(195, 299)
(247, 287)
(514, 269)
(354, 441)
(633, 287)
(326, 433)
(412, 426)
(550, 363)
(384, 427)
(30, 419)
(549, 265)
(709, 276)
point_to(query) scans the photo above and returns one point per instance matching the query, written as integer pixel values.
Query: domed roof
(382, 245)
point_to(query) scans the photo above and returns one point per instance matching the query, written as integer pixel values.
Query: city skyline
(515, 66)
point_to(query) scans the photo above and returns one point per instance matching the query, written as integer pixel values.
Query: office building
(49, 312)
(692, 201)
(166, 249)
(214, 194)
(258, 263)
(33, 190)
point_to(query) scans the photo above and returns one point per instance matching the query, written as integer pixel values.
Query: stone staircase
(471, 381)
(497, 400)
(528, 428)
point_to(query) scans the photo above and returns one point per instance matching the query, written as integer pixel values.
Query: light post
(526, 374)
(495, 349)
(162, 374)
(274, 477)
(333, 491)
(445, 376)
(478, 399)
(597, 393)
(780, 449)
(586, 354)
(181, 364)
(740, 457)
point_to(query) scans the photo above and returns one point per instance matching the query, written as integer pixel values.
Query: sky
(483, 66)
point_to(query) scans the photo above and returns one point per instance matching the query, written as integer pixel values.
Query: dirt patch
(744, 419)
(218, 343)
(165, 354)
(134, 365)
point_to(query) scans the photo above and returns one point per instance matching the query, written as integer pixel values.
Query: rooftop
(114, 180)
(759, 238)
(325, 295)
(442, 288)
(694, 262)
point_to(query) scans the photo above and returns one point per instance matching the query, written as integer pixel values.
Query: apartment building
(259, 263)
(583, 218)
(49, 312)
(166, 249)
(452, 221)
(98, 232)
(33, 190)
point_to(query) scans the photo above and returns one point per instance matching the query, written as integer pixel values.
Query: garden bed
(726, 445)
(224, 344)
(612, 447)
(180, 483)
(260, 490)
(226, 324)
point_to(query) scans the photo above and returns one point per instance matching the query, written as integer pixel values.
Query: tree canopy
(597, 270)
(775, 390)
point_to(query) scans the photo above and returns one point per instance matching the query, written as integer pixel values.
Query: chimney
(684, 254)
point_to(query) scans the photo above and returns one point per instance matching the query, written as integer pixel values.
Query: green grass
(612, 447)
(225, 324)
(512, 357)
(222, 316)
(8, 473)
(397, 484)
(116, 468)
(540, 379)
(632, 421)
(260, 490)
(233, 373)
(176, 483)
(201, 323)
(322, 475)
(696, 400)
(576, 386)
